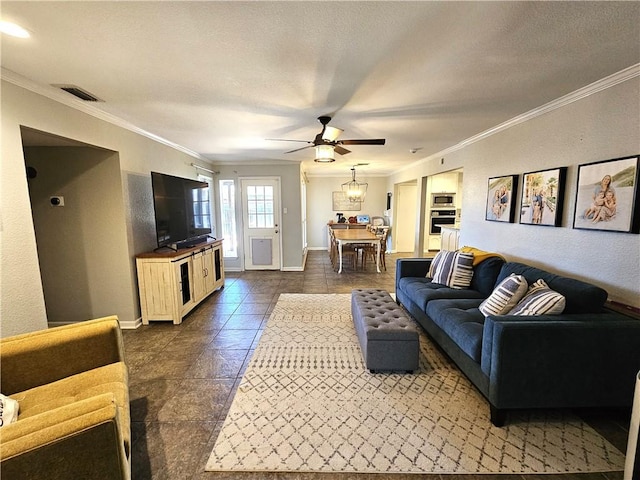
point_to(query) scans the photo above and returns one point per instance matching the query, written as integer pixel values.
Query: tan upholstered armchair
(71, 383)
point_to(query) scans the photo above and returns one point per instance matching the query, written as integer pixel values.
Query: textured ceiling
(219, 78)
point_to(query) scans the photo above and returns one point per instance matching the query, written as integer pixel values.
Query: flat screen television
(182, 210)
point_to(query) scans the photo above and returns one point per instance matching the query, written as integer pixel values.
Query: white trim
(70, 101)
(130, 324)
(292, 269)
(598, 86)
(233, 269)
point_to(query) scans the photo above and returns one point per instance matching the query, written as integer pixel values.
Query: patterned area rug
(307, 404)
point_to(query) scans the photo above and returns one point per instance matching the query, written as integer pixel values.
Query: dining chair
(370, 251)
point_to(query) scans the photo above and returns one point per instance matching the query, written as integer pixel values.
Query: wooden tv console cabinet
(172, 283)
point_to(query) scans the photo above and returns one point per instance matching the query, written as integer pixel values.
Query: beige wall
(603, 125)
(22, 306)
(320, 204)
(82, 246)
(291, 231)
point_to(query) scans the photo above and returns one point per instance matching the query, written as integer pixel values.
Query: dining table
(350, 236)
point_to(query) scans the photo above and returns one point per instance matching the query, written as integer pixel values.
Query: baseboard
(292, 269)
(131, 325)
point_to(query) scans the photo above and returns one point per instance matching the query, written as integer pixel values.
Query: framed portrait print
(607, 196)
(543, 197)
(501, 205)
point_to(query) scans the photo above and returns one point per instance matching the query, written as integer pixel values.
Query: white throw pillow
(454, 269)
(540, 300)
(8, 410)
(505, 296)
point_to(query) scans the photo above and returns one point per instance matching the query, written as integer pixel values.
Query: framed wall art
(341, 202)
(607, 196)
(501, 205)
(543, 197)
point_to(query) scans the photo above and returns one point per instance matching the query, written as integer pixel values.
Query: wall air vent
(79, 93)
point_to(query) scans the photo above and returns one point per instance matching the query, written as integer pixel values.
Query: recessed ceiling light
(13, 30)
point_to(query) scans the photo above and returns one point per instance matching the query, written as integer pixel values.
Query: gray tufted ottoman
(388, 338)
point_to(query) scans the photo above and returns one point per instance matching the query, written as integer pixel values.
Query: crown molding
(70, 101)
(612, 80)
(54, 94)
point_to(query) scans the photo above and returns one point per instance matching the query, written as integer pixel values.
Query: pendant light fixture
(354, 190)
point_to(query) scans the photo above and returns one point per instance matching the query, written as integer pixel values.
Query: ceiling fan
(326, 142)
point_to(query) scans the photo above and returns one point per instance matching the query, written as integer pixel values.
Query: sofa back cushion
(581, 297)
(485, 275)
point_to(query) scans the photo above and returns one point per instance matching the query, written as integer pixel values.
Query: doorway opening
(79, 221)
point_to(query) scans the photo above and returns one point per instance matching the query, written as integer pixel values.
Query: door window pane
(260, 206)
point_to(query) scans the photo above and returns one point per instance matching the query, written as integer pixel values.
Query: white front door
(261, 219)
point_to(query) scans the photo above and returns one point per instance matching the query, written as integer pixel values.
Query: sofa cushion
(485, 275)
(453, 269)
(111, 378)
(505, 296)
(580, 297)
(422, 290)
(539, 300)
(462, 321)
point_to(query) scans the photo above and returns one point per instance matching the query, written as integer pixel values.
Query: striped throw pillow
(540, 300)
(454, 269)
(505, 296)
(434, 263)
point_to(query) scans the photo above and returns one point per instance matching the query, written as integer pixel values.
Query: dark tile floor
(183, 377)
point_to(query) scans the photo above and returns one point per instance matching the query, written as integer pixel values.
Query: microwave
(439, 200)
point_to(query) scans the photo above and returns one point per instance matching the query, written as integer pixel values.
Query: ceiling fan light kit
(354, 190)
(324, 154)
(327, 144)
(331, 134)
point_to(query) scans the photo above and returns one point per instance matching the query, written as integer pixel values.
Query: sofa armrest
(412, 267)
(79, 440)
(38, 358)
(567, 360)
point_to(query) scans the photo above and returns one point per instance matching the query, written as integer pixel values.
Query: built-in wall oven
(441, 218)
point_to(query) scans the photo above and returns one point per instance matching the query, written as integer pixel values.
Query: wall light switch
(284, 210)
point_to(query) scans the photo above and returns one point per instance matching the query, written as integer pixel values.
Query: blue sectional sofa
(587, 356)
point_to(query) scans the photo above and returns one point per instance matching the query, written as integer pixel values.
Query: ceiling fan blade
(285, 140)
(341, 150)
(369, 141)
(298, 149)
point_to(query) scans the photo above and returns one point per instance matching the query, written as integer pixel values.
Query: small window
(228, 214)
